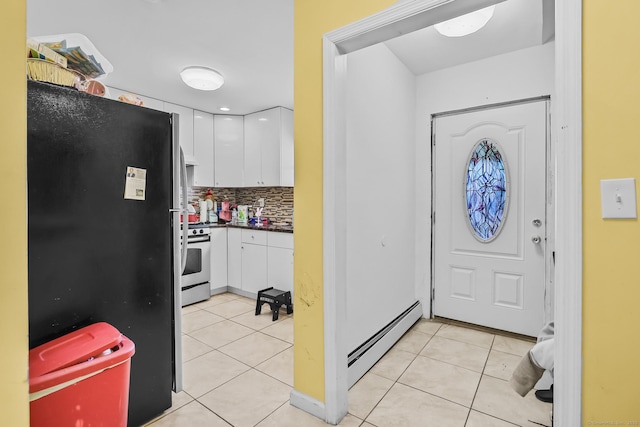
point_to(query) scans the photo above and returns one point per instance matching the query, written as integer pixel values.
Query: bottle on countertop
(213, 213)
(209, 199)
(204, 216)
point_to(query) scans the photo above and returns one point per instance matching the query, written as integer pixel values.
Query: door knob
(536, 222)
(536, 239)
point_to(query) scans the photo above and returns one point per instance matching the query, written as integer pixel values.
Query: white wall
(380, 191)
(517, 75)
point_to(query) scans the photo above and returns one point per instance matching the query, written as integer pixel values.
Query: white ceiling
(148, 42)
(250, 42)
(515, 25)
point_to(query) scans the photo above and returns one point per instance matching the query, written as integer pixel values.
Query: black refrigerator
(102, 247)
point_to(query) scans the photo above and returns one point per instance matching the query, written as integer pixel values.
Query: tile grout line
(475, 394)
(399, 376)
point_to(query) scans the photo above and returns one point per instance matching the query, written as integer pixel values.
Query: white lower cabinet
(234, 258)
(254, 260)
(280, 268)
(219, 276)
(257, 260)
(280, 261)
(254, 267)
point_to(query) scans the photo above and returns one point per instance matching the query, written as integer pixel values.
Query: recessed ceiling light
(225, 109)
(465, 24)
(263, 119)
(202, 78)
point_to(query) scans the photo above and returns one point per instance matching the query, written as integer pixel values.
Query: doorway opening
(406, 18)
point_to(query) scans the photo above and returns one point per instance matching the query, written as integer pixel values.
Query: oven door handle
(198, 239)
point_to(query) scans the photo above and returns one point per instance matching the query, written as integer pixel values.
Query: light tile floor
(238, 371)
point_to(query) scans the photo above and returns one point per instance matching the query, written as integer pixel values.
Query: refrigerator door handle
(185, 230)
(179, 253)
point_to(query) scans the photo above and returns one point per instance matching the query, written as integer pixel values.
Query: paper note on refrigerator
(134, 187)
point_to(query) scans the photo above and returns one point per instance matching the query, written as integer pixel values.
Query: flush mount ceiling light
(465, 24)
(202, 78)
(225, 109)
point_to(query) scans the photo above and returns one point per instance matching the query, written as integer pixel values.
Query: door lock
(536, 222)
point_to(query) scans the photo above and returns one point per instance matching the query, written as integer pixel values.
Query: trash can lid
(72, 348)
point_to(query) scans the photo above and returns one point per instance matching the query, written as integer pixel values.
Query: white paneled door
(489, 170)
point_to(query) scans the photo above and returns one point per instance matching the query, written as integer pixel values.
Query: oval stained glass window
(486, 190)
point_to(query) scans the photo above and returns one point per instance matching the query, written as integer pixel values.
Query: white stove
(197, 274)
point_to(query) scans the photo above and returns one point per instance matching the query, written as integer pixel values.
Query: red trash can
(81, 379)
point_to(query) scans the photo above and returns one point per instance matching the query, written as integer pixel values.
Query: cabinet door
(286, 148)
(229, 150)
(262, 148)
(186, 126)
(269, 124)
(218, 258)
(234, 258)
(203, 171)
(253, 126)
(280, 268)
(254, 268)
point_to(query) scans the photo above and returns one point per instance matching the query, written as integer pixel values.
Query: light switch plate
(618, 198)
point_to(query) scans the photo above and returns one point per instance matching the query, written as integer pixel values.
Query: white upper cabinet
(229, 150)
(268, 148)
(203, 171)
(232, 151)
(185, 128)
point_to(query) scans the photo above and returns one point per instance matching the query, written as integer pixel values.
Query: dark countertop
(270, 227)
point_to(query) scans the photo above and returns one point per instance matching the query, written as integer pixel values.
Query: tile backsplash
(278, 201)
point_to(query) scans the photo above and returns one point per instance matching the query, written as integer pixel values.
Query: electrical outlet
(618, 198)
(261, 203)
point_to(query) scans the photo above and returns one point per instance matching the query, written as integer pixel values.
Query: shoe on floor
(545, 395)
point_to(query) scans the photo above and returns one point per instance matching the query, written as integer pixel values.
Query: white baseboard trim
(307, 404)
(373, 354)
(242, 293)
(221, 290)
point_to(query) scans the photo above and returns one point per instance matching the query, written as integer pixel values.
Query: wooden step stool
(276, 299)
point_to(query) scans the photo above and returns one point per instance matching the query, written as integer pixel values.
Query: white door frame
(403, 17)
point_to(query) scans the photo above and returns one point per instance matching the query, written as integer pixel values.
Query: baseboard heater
(368, 353)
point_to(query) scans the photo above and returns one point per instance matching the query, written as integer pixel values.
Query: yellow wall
(13, 220)
(312, 20)
(611, 149)
(611, 303)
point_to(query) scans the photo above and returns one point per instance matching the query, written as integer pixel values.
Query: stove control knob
(194, 232)
(201, 231)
